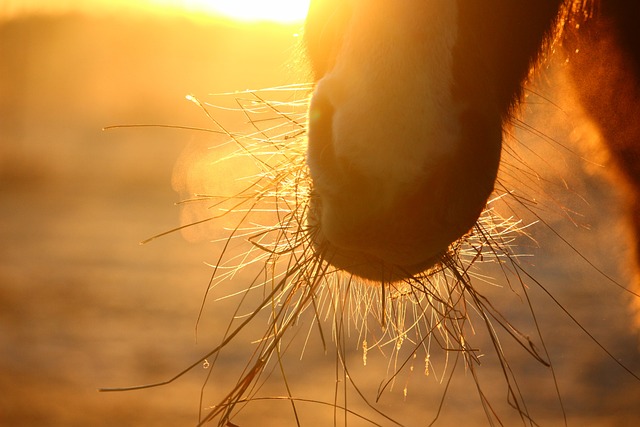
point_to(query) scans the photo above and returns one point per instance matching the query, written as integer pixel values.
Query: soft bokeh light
(77, 291)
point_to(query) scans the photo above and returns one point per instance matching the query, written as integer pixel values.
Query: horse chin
(381, 249)
(376, 270)
(368, 266)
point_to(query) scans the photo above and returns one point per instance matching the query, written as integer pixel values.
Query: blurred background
(83, 305)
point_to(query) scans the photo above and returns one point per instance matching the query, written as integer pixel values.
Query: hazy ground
(83, 306)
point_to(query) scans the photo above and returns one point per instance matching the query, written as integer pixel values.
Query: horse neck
(498, 43)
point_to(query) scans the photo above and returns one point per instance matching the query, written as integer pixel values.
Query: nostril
(320, 110)
(321, 154)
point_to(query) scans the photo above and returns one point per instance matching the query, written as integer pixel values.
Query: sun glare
(283, 11)
(279, 11)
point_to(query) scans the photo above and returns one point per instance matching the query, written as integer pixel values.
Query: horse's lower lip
(373, 262)
(367, 266)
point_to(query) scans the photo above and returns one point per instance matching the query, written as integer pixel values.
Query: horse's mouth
(367, 266)
(363, 263)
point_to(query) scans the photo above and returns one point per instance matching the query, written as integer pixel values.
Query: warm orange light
(281, 11)
(284, 11)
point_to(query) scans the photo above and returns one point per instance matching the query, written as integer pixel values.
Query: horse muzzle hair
(405, 125)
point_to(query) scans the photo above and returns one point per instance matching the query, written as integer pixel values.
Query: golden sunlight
(283, 11)
(279, 11)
